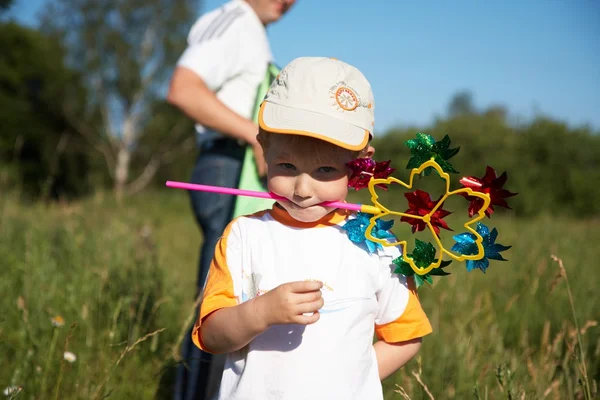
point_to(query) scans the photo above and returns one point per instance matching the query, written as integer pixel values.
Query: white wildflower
(70, 357)
(12, 390)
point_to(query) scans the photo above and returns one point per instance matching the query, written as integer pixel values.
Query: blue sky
(531, 56)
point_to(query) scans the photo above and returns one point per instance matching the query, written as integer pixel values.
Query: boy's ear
(260, 139)
(370, 152)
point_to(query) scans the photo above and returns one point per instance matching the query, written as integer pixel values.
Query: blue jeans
(219, 164)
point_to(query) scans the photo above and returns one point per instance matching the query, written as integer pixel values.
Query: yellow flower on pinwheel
(384, 211)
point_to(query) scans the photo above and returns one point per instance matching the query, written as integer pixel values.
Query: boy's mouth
(293, 206)
(300, 206)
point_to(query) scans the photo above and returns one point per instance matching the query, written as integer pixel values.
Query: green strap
(249, 176)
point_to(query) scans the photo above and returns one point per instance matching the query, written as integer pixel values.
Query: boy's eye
(327, 169)
(287, 166)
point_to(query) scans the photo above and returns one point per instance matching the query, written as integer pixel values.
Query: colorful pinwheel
(369, 228)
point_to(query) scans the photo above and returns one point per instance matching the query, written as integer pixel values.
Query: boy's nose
(302, 187)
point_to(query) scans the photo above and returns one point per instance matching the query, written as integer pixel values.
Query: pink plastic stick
(252, 193)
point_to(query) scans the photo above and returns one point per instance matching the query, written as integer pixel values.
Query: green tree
(461, 104)
(560, 168)
(5, 5)
(39, 151)
(125, 50)
(165, 152)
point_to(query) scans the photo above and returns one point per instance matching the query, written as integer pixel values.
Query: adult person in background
(221, 76)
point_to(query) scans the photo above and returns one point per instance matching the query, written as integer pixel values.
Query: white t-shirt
(229, 49)
(333, 358)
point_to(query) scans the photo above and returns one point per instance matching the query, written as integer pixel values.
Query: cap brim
(287, 120)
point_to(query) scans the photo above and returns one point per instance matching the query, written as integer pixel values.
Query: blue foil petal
(465, 244)
(357, 228)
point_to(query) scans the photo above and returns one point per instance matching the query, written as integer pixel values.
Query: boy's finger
(311, 307)
(308, 319)
(305, 286)
(308, 297)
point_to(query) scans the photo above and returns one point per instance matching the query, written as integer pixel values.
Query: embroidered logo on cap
(346, 98)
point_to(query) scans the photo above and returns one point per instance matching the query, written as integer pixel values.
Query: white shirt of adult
(229, 49)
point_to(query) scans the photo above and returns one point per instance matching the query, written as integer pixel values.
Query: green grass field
(122, 279)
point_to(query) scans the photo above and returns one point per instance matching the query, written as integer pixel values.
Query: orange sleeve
(412, 324)
(219, 290)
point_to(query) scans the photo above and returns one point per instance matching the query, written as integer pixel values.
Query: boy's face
(306, 172)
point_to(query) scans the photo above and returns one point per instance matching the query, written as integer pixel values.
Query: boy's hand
(288, 304)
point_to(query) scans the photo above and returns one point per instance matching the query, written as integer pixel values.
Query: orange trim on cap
(412, 324)
(346, 146)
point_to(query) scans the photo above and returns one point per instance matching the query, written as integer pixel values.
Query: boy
(292, 300)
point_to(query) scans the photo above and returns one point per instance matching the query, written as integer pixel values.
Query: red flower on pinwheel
(420, 203)
(490, 184)
(362, 169)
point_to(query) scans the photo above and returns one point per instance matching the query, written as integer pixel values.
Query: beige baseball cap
(322, 98)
